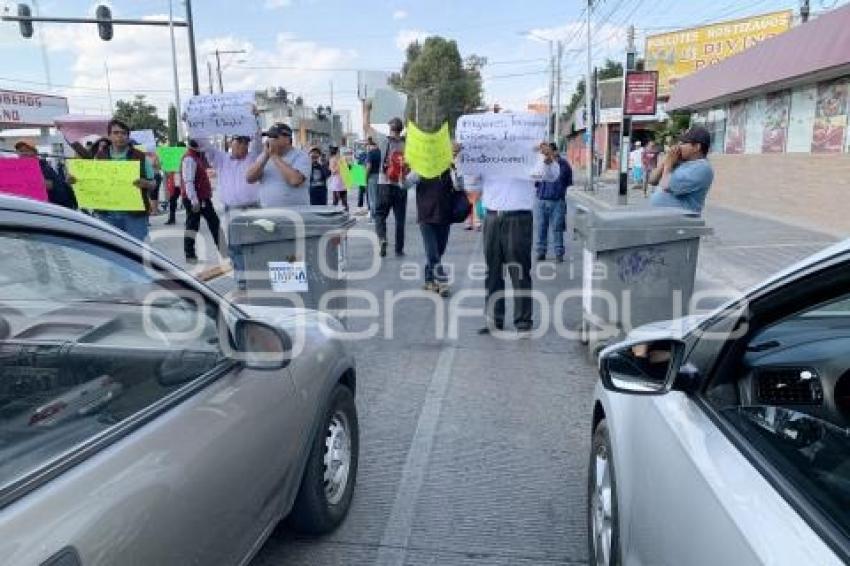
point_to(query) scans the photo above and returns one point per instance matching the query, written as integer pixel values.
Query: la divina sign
(29, 110)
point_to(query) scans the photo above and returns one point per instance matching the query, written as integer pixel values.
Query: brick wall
(806, 190)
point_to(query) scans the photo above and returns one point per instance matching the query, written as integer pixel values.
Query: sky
(307, 45)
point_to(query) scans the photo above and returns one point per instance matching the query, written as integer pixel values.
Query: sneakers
(431, 287)
(383, 251)
(541, 257)
(444, 290)
(192, 260)
(559, 259)
(399, 253)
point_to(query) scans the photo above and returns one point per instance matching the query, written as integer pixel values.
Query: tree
(140, 115)
(611, 70)
(445, 85)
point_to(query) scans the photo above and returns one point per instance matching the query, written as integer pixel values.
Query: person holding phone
(282, 170)
(687, 173)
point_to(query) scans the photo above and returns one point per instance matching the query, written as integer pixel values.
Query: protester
(58, 190)
(281, 170)
(649, 162)
(373, 169)
(636, 163)
(688, 173)
(434, 214)
(508, 239)
(335, 183)
(319, 175)
(362, 158)
(473, 192)
(197, 199)
(552, 204)
(157, 179)
(234, 191)
(391, 195)
(172, 183)
(132, 222)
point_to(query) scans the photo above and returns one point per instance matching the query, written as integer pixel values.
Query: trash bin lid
(273, 224)
(615, 229)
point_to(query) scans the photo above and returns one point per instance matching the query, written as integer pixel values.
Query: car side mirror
(261, 345)
(641, 368)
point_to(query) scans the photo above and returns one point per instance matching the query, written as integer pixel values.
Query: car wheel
(331, 471)
(602, 520)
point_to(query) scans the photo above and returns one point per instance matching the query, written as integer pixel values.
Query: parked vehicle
(144, 419)
(726, 439)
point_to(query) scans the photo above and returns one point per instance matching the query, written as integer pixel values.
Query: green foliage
(675, 125)
(446, 85)
(140, 115)
(612, 69)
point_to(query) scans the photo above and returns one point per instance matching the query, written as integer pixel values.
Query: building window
(716, 125)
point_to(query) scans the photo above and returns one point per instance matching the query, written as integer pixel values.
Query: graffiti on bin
(635, 266)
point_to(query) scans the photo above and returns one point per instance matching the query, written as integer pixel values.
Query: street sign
(29, 109)
(641, 93)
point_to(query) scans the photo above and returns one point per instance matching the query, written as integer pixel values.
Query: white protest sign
(144, 138)
(229, 114)
(288, 276)
(499, 144)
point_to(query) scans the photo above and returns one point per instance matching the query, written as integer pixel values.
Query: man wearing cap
(281, 170)
(58, 191)
(319, 175)
(197, 199)
(690, 174)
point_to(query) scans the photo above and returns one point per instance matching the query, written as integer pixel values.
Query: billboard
(678, 54)
(28, 109)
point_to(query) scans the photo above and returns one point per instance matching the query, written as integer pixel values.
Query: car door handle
(68, 556)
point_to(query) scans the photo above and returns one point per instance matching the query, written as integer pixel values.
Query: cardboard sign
(288, 276)
(428, 154)
(106, 185)
(144, 139)
(499, 144)
(358, 175)
(229, 114)
(22, 177)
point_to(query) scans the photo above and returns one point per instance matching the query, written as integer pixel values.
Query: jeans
(391, 197)
(318, 196)
(132, 223)
(434, 238)
(193, 223)
(554, 213)
(372, 194)
(361, 196)
(507, 245)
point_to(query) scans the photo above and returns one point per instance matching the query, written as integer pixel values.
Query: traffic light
(26, 26)
(104, 25)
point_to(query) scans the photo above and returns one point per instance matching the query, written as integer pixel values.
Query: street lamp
(218, 54)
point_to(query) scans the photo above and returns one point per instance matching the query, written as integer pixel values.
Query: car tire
(323, 499)
(603, 529)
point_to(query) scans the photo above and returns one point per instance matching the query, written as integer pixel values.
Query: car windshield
(814, 454)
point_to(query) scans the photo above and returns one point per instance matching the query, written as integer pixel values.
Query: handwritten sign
(22, 177)
(429, 155)
(499, 144)
(144, 138)
(106, 185)
(228, 114)
(170, 158)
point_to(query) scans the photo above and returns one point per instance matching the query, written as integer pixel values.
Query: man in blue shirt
(552, 204)
(688, 172)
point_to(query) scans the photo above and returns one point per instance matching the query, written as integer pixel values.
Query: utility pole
(804, 10)
(174, 79)
(196, 89)
(551, 89)
(587, 106)
(218, 70)
(558, 94)
(626, 121)
(210, 75)
(108, 86)
(44, 58)
(332, 112)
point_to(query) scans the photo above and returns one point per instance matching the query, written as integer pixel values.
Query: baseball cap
(243, 139)
(25, 145)
(696, 135)
(278, 130)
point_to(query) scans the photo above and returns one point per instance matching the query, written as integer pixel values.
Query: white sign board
(144, 138)
(499, 144)
(27, 109)
(288, 276)
(229, 114)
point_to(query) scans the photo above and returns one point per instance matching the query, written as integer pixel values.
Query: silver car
(144, 419)
(726, 439)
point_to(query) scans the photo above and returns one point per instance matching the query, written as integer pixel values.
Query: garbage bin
(638, 267)
(280, 270)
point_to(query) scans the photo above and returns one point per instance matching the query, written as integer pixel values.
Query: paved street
(473, 451)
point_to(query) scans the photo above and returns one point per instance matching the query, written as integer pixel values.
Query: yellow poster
(429, 155)
(106, 185)
(678, 54)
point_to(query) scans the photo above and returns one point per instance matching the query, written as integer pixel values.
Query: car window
(791, 401)
(88, 338)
